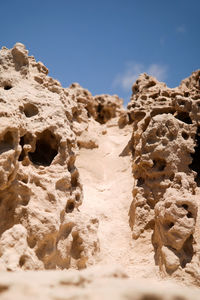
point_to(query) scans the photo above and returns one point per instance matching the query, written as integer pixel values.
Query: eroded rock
(165, 146)
(40, 189)
(43, 224)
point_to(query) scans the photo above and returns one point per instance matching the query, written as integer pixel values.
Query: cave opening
(30, 110)
(184, 117)
(46, 149)
(195, 165)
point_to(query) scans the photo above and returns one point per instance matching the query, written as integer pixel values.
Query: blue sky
(104, 45)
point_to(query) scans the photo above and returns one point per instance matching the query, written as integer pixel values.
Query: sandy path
(107, 185)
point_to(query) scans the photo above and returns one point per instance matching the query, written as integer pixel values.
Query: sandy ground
(94, 283)
(107, 185)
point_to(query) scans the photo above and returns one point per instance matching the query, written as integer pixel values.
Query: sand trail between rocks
(107, 185)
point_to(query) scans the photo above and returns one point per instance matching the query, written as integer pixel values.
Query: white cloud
(158, 71)
(126, 79)
(181, 29)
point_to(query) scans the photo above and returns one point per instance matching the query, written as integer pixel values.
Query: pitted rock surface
(40, 189)
(165, 146)
(84, 181)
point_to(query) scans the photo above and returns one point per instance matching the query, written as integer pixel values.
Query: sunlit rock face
(50, 136)
(166, 151)
(40, 189)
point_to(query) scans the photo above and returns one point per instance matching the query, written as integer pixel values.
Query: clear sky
(105, 44)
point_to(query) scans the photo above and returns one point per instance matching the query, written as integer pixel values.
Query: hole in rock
(150, 225)
(185, 135)
(140, 181)
(182, 102)
(46, 149)
(188, 252)
(30, 110)
(76, 114)
(22, 260)
(186, 94)
(77, 197)
(184, 117)
(159, 164)
(32, 241)
(22, 154)
(139, 115)
(135, 89)
(130, 120)
(25, 180)
(151, 83)
(71, 162)
(103, 114)
(185, 206)
(100, 118)
(195, 165)
(189, 215)
(144, 97)
(65, 230)
(168, 225)
(7, 87)
(70, 206)
(7, 143)
(46, 246)
(76, 247)
(88, 114)
(74, 178)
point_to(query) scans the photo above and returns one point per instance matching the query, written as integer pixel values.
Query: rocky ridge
(73, 167)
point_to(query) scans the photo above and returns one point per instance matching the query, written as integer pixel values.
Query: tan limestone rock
(165, 146)
(74, 165)
(39, 182)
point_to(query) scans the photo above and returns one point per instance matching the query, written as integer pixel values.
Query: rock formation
(165, 146)
(73, 167)
(40, 189)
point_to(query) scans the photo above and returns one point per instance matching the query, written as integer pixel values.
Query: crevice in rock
(22, 154)
(76, 247)
(22, 260)
(184, 117)
(7, 143)
(159, 164)
(195, 165)
(188, 252)
(7, 87)
(70, 206)
(46, 149)
(101, 114)
(26, 139)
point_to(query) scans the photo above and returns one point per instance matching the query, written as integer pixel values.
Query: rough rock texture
(165, 146)
(40, 189)
(73, 166)
(101, 109)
